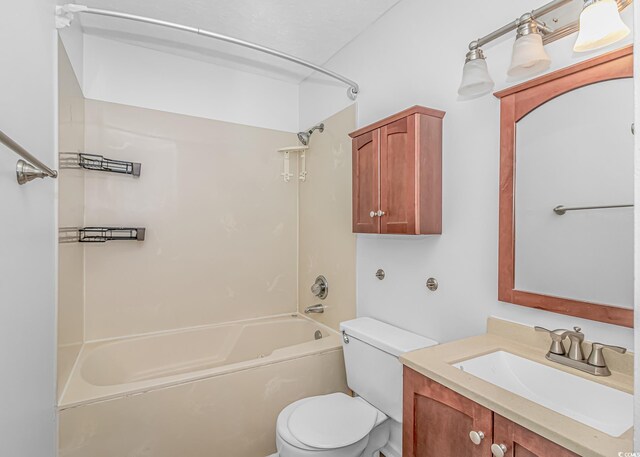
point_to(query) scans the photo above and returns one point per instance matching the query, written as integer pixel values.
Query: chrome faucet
(595, 364)
(316, 309)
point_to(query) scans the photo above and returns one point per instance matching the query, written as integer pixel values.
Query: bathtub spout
(318, 309)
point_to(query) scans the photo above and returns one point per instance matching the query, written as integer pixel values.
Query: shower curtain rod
(65, 16)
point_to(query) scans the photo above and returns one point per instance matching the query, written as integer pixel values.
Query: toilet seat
(332, 421)
(309, 424)
(282, 427)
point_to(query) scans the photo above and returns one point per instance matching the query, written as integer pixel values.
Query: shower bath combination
(305, 136)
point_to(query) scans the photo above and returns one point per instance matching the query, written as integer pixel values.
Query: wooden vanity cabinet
(397, 174)
(521, 442)
(437, 422)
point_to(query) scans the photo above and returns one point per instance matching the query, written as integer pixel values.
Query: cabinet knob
(498, 450)
(380, 213)
(373, 214)
(476, 437)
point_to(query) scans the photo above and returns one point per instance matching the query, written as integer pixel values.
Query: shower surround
(227, 243)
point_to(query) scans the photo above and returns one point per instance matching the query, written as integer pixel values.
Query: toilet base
(376, 454)
(377, 439)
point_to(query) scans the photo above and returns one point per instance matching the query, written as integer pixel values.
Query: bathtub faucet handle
(316, 309)
(320, 287)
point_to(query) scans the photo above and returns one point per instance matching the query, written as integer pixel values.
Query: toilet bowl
(333, 425)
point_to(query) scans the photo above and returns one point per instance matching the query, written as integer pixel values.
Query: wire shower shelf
(101, 234)
(71, 160)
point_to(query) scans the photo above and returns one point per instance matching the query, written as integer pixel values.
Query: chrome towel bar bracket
(29, 167)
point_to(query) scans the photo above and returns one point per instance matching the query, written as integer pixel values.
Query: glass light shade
(600, 26)
(529, 56)
(475, 79)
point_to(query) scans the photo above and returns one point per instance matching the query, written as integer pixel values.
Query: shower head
(304, 136)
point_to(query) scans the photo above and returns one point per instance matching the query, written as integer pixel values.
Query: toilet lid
(332, 421)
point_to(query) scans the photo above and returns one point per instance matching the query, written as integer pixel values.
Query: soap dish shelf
(73, 160)
(286, 172)
(101, 234)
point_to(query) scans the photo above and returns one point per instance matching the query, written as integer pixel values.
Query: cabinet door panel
(522, 442)
(398, 177)
(437, 421)
(366, 182)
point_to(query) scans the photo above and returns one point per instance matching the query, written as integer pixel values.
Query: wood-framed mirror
(566, 191)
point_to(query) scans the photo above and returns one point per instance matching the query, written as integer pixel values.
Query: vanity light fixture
(529, 56)
(476, 80)
(600, 25)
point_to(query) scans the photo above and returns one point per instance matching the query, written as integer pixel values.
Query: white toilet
(337, 425)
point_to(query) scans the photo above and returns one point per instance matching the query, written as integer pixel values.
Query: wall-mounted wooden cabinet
(438, 423)
(397, 174)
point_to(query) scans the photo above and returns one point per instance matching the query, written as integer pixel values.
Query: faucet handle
(596, 358)
(557, 336)
(320, 287)
(557, 331)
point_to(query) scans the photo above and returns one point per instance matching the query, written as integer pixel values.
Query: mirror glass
(577, 151)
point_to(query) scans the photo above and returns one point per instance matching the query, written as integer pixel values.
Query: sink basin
(598, 406)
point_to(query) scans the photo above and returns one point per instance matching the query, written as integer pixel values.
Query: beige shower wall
(327, 245)
(221, 224)
(70, 214)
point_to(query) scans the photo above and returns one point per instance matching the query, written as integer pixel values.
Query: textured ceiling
(312, 30)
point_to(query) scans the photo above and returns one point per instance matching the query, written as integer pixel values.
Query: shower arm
(65, 14)
(316, 127)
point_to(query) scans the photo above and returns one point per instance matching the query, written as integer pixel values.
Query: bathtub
(205, 391)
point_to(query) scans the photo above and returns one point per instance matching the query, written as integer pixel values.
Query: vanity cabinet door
(437, 421)
(366, 182)
(520, 442)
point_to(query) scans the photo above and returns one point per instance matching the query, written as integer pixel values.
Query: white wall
(27, 233)
(122, 73)
(72, 38)
(134, 75)
(414, 55)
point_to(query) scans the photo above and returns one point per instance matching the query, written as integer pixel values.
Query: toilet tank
(371, 351)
